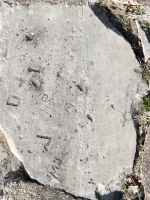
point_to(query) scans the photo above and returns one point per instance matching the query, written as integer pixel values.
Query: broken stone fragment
(133, 190)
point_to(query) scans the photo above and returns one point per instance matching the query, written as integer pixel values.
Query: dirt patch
(33, 191)
(4, 144)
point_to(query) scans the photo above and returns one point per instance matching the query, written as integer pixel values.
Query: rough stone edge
(144, 41)
(138, 154)
(11, 145)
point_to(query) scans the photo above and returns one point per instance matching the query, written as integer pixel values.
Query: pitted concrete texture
(67, 83)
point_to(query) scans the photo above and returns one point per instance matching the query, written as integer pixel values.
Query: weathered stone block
(74, 81)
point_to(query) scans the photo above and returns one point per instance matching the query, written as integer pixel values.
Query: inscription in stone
(13, 100)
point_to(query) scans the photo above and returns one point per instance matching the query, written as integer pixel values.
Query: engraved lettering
(45, 97)
(52, 101)
(60, 102)
(68, 109)
(13, 100)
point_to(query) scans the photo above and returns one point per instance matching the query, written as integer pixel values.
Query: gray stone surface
(67, 83)
(144, 36)
(146, 166)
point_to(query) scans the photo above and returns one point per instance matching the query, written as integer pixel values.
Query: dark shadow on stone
(135, 113)
(16, 176)
(116, 195)
(19, 175)
(110, 21)
(75, 197)
(143, 27)
(1, 193)
(102, 16)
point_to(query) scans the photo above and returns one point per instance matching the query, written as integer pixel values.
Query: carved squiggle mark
(36, 82)
(13, 100)
(54, 175)
(47, 138)
(30, 69)
(45, 97)
(43, 137)
(89, 117)
(68, 109)
(32, 121)
(47, 144)
(45, 112)
(48, 113)
(80, 87)
(91, 182)
(52, 109)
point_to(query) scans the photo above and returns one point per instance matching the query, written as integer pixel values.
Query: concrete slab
(67, 83)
